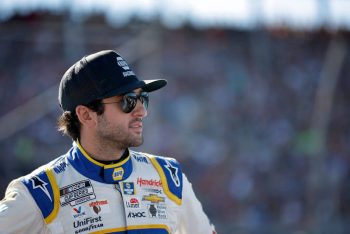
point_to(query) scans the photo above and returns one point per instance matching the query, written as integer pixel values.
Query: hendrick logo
(150, 183)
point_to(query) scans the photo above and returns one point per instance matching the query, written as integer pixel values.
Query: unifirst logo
(152, 183)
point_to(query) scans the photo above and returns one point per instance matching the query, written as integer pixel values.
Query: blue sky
(201, 13)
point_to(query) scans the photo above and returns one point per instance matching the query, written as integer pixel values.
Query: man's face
(119, 128)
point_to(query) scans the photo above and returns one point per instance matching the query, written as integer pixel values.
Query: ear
(86, 116)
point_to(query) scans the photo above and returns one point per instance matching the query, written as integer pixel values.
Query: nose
(140, 110)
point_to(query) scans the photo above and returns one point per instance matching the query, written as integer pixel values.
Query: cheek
(114, 119)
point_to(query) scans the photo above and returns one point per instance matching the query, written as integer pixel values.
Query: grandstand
(259, 118)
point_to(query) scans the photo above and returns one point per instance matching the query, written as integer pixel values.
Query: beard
(116, 135)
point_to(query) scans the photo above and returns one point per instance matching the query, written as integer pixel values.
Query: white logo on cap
(121, 62)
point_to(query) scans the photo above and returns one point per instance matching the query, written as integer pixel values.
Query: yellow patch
(118, 173)
(153, 198)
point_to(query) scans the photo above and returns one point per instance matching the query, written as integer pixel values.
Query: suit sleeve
(18, 212)
(192, 217)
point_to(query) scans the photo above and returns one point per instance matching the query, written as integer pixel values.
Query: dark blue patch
(40, 188)
(173, 174)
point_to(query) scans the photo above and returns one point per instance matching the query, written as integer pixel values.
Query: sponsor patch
(100, 207)
(154, 198)
(121, 62)
(157, 211)
(61, 167)
(87, 224)
(141, 158)
(133, 203)
(129, 188)
(141, 214)
(173, 173)
(149, 183)
(153, 190)
(78, 212)
(39, 183)
(77, 193)
(118, 173)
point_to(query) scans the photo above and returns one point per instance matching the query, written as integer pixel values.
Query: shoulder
(42, 185)
(18, 211)
(169, 170)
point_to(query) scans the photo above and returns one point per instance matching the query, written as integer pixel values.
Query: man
(100, 185)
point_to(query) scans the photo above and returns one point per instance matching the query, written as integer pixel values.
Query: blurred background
(256, 108)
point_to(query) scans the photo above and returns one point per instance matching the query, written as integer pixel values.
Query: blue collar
(92, 169)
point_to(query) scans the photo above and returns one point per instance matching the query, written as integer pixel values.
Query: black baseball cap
(97, 76)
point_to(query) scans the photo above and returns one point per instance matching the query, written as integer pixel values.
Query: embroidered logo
(118, 173)
(154, 198)
(78, 212)
(129, 188)
(173, 173)
(77, 193)
(100, 206)
(157, 211)
(127, 71)
(39, 183)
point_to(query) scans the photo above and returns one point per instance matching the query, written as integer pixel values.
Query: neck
(102, 152)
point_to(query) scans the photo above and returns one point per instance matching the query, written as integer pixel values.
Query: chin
(137, 143)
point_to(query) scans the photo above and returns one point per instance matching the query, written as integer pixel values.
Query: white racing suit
(143, 194)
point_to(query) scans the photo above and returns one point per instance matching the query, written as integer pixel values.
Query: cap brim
(145, 85)
(152, 85)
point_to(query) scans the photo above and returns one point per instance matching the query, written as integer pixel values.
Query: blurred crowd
(237, 113)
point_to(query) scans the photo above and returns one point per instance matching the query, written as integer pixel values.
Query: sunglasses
(129, 101)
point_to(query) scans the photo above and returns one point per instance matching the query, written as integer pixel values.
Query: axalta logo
(118, 173)
(151, 183)
(154, 198)
(137, 215)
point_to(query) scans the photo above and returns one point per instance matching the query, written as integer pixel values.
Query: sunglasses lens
(130, 101)
(144, 98)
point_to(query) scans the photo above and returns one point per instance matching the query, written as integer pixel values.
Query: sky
(305, 14)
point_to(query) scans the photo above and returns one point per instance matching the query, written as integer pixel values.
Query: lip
(136, 125)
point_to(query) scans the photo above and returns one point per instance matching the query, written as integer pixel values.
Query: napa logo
(141, 158)
(118, 173)
(78, 212)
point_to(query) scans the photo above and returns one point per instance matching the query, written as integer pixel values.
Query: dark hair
(69, 124)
